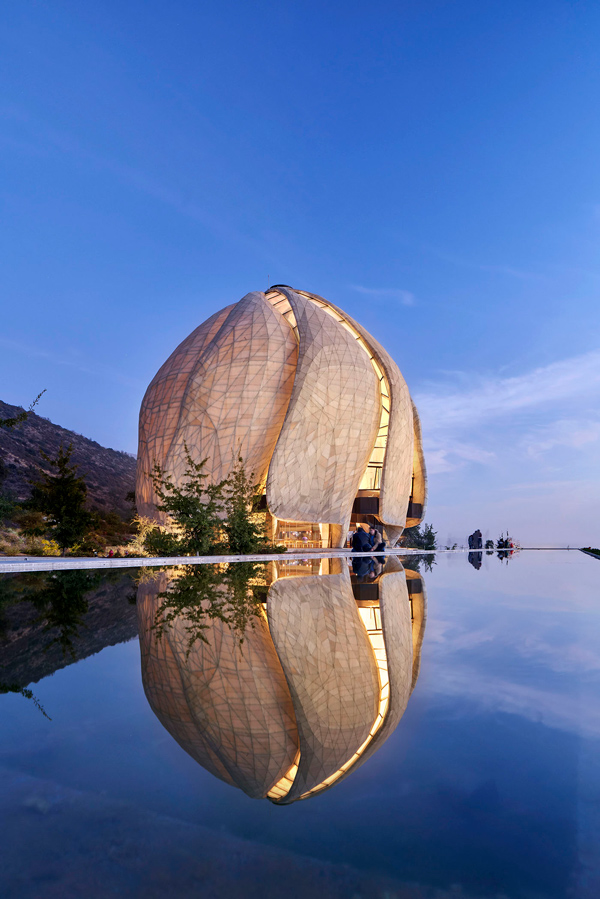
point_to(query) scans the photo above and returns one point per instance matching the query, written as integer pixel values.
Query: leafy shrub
(11, 542)
(207, 519)
(50, 547)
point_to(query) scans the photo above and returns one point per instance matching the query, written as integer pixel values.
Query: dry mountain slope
(109, 474)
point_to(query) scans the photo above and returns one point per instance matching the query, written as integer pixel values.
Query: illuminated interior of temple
(317, 408)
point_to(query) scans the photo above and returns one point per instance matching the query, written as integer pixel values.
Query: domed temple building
(322, 679)
(318, 410)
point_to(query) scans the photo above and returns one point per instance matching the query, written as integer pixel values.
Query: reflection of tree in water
(11, 591)
(63, 603)
(419, 562)
(51, 619)
(18, 588)
(27, 694)
(59, 599)
(197, 595)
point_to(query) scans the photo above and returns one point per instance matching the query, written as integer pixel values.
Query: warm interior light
(371, 618)
(284, 784)
(282, 304)
(371, 479)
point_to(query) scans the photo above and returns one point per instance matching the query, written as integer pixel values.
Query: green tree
(194, 524)
(9, 423)
(429, 537)
(206, 519)
(63, 603)
(61, 496)
(415, 538)
(31, 521)
(7, 507)
(244, 529)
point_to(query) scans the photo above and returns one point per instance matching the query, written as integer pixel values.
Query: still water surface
(487, 787)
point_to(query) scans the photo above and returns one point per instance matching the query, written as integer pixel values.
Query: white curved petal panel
(159, 413)
(330, 426)
(397, 466)
(230, 709)
(238, 393)
(328, 663)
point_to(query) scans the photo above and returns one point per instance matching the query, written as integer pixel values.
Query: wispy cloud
(534, 703)
(570, 433)
(489, 398)
(459, 672)
(405, 297)
(495, 421)
(448, 454)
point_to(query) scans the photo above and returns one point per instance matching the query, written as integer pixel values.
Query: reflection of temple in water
(319, 683)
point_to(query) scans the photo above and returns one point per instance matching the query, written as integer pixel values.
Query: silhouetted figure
(378, 544)
(360, 541)
(476, 540)
(506, 547)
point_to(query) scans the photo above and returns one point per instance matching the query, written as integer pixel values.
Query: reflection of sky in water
(490, 780)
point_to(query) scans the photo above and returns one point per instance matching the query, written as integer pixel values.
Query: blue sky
(431, 167)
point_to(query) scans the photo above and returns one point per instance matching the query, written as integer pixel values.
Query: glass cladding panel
(299, 534)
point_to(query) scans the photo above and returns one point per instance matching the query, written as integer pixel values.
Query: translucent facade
(319, 411)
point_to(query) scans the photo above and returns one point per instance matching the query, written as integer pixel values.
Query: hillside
(109, 474)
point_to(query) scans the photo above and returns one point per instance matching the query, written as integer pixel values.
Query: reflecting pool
(392, 728)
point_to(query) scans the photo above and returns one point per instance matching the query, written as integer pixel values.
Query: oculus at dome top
(316, 407)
